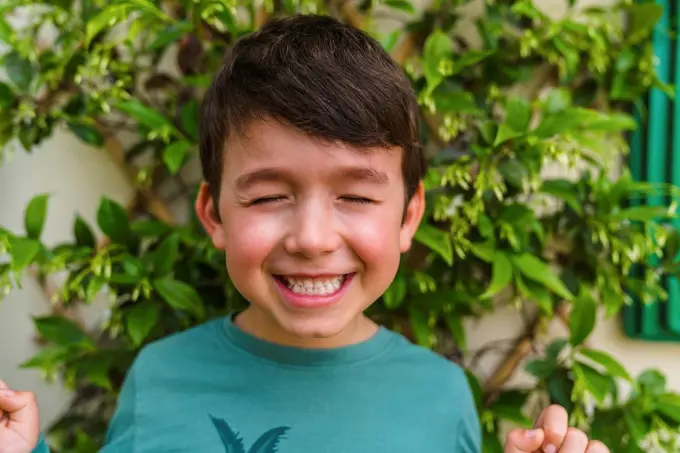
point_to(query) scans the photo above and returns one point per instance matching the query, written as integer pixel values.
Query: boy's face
(312, 231)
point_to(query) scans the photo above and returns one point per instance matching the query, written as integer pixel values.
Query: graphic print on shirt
(266, 443)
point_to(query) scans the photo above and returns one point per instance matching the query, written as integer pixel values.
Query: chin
(314, 327)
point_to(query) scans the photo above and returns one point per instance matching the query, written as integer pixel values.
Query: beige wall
(78, 176)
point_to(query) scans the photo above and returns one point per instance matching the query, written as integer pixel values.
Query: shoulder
(429, 367)
(193, 343)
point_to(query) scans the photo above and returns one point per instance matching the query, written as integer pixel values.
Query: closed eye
(265, 200)
(360, 200)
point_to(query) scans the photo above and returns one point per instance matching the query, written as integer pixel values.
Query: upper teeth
(314, 286)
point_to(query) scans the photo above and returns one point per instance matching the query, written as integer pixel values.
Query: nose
(312, 232)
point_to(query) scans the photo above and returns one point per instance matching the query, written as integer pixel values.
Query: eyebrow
(359, 174)
(365, 174)
(262, 175)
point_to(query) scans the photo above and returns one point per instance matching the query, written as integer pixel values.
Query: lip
(306, 301)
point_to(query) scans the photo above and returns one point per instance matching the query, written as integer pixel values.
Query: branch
(508, 367)
(154, 204)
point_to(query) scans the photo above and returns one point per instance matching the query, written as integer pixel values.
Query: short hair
(327, 79)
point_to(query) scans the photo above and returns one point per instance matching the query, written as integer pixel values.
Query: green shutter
(655, 157)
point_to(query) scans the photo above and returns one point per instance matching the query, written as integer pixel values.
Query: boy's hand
(19, 426)
(552, 435)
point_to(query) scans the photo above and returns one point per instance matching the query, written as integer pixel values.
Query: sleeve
(468, 431)
(41, 447)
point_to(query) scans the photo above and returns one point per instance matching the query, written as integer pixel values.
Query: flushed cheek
(249, 241)
(376, 245)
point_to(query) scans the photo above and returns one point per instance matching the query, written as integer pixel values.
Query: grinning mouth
(313, 286)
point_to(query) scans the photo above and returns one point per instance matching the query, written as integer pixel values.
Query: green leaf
(87, 133)
(180, 296)
(96, 368)
(454, 321)
(83, 233)
(389, 40)
(610, 364)
(518, 114)
(484, 251)
(669, 405)
(565, 190)
(533, 291)
(437, 240)
(535, 269)
(107, 17)
(149, 228)
(652, 382)
(175, 154)
(420, 325)
(165, 257)
(171, 34)
(560, 388)
(113, 220)
(557, 100)
(501, 275)
(455, 101)
(637, 425)
(597, 384)
(509, 406)
(6, 32)
(19, 70)
(23, 251)
(505, 133)
(475, 388)
(49, 358)
(642, 214)
(555, 348)
(438, 47)
(34, 217)
(541, 369)
(401, 5)
(582, 318)
(7, 96)
(189, 116)
(61, 331)
(488, 130)
(114, 13)
(469, 58)
(140, 320)
(144, 115)
(396, 292)
(643, 18)
(491, 443)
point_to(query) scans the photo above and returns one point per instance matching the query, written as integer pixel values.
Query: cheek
(376, 242)
(249, 240)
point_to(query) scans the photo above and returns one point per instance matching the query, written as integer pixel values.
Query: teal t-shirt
(215, 388)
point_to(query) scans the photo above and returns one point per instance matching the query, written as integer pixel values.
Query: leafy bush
(533, 96)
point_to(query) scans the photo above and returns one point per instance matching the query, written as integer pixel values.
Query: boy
(312, 173)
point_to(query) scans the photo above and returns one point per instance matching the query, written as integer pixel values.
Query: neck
(261, 325)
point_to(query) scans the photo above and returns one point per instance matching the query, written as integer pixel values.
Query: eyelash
(266, 200)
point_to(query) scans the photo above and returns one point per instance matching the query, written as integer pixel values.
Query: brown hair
(328, 80)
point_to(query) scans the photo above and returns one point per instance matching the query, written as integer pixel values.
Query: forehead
(267, 145)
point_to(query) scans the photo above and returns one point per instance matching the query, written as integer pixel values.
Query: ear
(209, 217)
(412, 219)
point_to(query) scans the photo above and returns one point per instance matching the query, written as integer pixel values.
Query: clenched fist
(19, 423)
